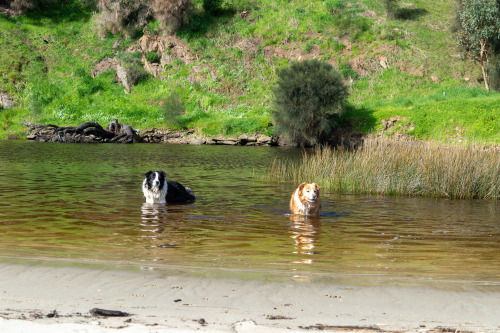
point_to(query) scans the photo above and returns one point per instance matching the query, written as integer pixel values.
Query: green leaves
(306, 97)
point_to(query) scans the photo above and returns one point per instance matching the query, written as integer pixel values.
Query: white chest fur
(154, 195)
(304, 208)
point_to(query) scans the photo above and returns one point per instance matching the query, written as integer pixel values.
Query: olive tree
(306, 98)
(478, 29)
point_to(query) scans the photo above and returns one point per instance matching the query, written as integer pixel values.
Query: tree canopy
(479, 30)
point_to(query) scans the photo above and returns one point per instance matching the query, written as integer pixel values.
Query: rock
(166, 59)
(6, 101)
(12, 137)
(117, 43)
(153, 69)
(144, 42)
(245, 326)
(124, 78)
(384, 63)
(104, 65)
(261, 138)
(196, 141)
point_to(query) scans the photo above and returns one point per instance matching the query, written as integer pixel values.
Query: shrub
(133, 64)
(129, 16)
(212, 6)
(152, 56)
(172, 13)
(307, 97)
(173, 109)
(123, 16)
(22, 6)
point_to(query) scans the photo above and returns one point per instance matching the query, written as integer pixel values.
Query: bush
(212, 6)
(306, 99)
(132, 62)
(152, 56)
(129, 16)
(173, 109)
(172, 13)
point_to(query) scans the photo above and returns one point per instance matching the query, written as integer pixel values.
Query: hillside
(216, 74)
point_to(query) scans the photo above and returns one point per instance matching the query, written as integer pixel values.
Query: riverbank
(50, 298)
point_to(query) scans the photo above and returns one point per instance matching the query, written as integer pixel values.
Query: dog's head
(309, 192)
(154, 180)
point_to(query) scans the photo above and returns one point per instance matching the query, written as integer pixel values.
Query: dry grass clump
(128, 16)
(392, 167)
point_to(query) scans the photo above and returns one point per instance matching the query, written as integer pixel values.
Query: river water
(83, 204)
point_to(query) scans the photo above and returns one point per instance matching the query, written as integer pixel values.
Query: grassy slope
(52, 81)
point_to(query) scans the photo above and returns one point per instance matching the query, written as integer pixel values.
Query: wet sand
(51, 298)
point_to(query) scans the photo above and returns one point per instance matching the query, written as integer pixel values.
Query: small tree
(307, 96)
(478, 30)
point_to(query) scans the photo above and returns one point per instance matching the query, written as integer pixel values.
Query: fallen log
(88, 132)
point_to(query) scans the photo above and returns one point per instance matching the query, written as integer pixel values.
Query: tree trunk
(482, 59)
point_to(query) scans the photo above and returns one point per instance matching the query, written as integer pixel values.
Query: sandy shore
(159, 302)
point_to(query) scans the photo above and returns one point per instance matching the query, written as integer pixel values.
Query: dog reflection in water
(305, 233)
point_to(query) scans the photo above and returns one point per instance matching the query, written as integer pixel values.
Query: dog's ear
(147, 174)
(317, 186)
(163, 173)
(301, 187)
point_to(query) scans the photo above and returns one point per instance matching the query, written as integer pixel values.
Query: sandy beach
(50, 298)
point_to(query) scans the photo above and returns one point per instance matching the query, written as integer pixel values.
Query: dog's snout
(156, 183)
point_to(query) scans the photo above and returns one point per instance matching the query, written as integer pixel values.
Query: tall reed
(394, 167)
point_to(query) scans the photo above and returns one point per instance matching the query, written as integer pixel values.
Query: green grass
(47, 58)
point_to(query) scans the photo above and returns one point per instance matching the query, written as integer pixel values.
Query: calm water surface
(84, 204)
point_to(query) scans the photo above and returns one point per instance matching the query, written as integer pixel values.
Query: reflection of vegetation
(396, 167)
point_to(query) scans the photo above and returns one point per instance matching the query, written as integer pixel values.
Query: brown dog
(305, 200)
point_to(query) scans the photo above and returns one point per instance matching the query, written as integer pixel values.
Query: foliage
(129, 16)
(213, 6)
(133, 64)
(478, 29)
(22, 6)
(307, 96)
(152, 56)
(173, 108)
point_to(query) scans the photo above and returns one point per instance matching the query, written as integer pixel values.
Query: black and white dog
(157, 189)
